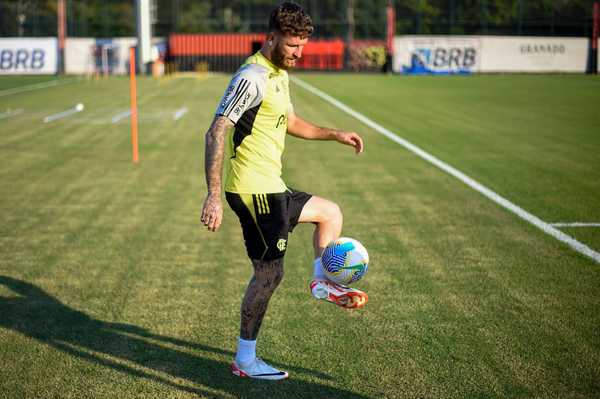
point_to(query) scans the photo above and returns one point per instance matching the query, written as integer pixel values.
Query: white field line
(8, 114)
(534, 220)
(35, 86)
(179, 113)
(121, 115)
(575, 224)
(61, 115)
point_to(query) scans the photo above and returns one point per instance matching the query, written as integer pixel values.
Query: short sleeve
(245, 91)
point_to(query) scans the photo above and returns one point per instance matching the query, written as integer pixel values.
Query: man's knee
(333, 213)
(319, 210)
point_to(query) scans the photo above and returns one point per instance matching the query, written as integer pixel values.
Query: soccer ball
(345, 261)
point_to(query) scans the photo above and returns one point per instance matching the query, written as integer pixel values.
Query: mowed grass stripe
(110, 251)
(529, 138)
(464, 299)
(491, 243)
(61, 188)
(86, 143)
(475, 185)
(86, 92)
(22, 84)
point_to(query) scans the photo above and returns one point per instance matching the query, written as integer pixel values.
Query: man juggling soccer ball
(257, 106)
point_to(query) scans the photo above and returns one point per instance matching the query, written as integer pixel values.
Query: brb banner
(20, 56)
(466, 54)
(436, 55)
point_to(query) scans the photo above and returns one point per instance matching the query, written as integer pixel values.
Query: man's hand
(351, 139)
(212, 212)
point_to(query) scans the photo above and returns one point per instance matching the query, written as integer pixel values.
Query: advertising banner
(534, 54)
(436, 54)
(104, 56)
(28, 56)
(98, 56)
(79, 56)
(467, 54)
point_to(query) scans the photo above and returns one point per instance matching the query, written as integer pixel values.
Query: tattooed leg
(267, 276)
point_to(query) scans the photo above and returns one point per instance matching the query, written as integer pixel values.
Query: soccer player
(257, 105)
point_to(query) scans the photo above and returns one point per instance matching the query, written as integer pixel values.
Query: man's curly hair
(290, 19)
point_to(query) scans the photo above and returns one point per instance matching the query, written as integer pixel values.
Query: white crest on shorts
(281, 244)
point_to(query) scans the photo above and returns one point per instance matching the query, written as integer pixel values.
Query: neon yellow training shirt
(257, 101)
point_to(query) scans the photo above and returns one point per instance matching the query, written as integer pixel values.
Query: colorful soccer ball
(345, 261)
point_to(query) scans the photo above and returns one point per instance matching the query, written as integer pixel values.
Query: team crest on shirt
(281, 244)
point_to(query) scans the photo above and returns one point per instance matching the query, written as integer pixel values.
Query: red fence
(322, 54)
(213, 45)
(225, 52)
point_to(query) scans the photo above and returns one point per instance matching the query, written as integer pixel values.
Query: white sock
(246, 352)
(318, 272)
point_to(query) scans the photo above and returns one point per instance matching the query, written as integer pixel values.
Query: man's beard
(279, 59)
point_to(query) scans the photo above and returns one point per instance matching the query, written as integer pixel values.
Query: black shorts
(267, 219)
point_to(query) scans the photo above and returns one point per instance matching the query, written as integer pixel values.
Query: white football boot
(346, 297)
(258, 369)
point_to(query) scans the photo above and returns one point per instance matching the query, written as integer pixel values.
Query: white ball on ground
(79, 107)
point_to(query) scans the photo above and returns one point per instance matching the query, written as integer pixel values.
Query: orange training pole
(133, 96)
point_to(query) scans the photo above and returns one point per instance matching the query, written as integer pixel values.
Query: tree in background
(22, 18)
(113, 18)
(193, 17)
(501, 17)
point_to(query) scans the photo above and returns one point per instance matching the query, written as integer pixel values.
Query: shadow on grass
(137, 352)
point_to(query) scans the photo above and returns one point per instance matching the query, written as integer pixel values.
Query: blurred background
(116, 18)
(357, 35)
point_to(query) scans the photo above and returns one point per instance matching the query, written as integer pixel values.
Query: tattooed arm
(212, 211)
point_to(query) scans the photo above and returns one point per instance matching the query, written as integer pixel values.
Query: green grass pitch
(110, 286)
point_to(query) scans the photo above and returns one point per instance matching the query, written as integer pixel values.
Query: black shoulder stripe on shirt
(239, 94)
(234, 95)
